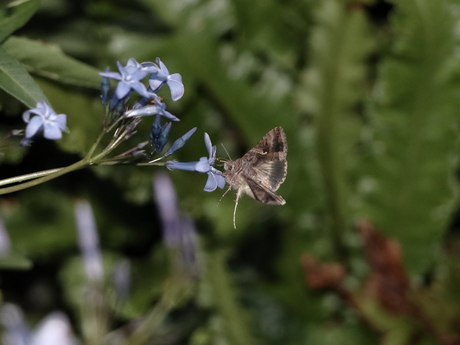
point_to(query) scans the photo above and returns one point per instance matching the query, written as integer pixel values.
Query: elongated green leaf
(50, 62)
(15, 261)
(333, 85)
(415, 119)
(16, 81)
(20, 14)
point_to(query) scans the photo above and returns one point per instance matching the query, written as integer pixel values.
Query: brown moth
(260, 172)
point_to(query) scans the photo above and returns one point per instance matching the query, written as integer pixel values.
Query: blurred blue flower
(54, 329)
(204, 165)
(161, 76)
(179, 233)
(129, 78)
(88, 241)
(5, 243)
(47, 121)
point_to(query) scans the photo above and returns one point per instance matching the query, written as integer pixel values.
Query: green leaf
(16, 81)
(332, 86)
(21, 12)
(415, 113)
(50, 62)
(15, 261)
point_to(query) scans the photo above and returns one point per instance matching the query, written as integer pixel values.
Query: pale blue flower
(161, 76)
(47, 121)
(129, 78)
(204, 165)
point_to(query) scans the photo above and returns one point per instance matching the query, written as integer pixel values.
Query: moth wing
(272, 146)
(268, 159)
(271, 174)
(261, 193)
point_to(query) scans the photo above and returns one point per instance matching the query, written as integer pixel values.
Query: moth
(261, 171)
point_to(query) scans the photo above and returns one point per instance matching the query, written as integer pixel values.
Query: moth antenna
(224, 195)
(226, 152)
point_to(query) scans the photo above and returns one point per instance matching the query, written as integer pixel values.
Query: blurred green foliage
(367, 93)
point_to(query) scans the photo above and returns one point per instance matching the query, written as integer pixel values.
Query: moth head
(228, 165)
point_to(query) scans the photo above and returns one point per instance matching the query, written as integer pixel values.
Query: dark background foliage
(367, 93)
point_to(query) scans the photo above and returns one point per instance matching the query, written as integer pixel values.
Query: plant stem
(49, 175)
(27, 177)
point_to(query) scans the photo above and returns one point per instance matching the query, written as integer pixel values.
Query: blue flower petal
(51, 131)
(156, 82)
(175, 86)
(179, 143)
(220, 179)
(151, 67)
(27, 113)
(186, 166)
(124, 73)
(44, 107)
(208, 143)
(211, 183)
(203, 165)
(138, 74)
(163, 67)
(34, 126)
(61, 121)
(145, 111)
(111, 75)
(170, 116)
(122, 89)
(140, 89)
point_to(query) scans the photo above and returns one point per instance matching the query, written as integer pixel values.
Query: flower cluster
(122, 117)
(129, 80)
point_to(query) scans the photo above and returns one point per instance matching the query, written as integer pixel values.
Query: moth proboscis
(261, 171)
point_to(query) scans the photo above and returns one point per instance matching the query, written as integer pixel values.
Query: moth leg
(224, 195)
(238, 195)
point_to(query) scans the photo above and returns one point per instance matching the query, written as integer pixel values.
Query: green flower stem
(93, 148)
(49, 175)
(27, 177)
